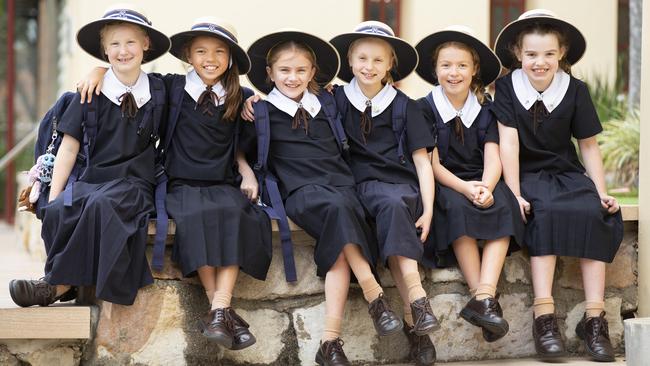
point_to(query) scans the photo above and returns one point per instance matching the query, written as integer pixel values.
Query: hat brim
(327, 58)
(179, 40)
(508, 36)
(407, 57)
(489, 62)
(90, 41)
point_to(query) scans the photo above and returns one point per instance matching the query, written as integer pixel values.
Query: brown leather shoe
(422, 352)
(330, 353)
(37, 292)
(425, 321)
(595, 333)
(487, 315)
(242, 337)
(548, 340)
(219, 328)
(384, 319)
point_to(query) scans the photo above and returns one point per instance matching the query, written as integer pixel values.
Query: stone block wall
(287, 319)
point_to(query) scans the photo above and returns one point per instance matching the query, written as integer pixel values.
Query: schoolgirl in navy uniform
(398, 195)
(540, 107)
(218, 230)
(471, 201)
(315, 182)
(100, 239)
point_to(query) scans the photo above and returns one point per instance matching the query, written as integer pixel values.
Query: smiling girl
(540, 107)
(471, 201)
(393, 174)
(98, 237)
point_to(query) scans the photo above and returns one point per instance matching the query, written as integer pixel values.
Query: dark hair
(274, 53)
(393, 56)
(230, 82)
(541, 29)
(476, 85)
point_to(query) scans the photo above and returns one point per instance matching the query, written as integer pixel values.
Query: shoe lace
(423, 308)
(44, 290)
(550, 325)
(334, 347)
(379, 305)
(223, 316)
(599, 327)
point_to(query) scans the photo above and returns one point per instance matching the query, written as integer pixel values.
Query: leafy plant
(619, 144)
(608, 99)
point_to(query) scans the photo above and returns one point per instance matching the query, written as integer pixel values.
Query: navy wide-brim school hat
(327, 58)
(407, 57)
(89, 38)
(489, 62)
(508, 35)
(212, 27)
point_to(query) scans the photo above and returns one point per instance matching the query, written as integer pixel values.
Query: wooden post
(47, 55)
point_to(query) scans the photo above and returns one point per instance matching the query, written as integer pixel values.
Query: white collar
(194, 86)
(112, 88)
(380, 102)
(309, 101)
(551, 97)
(467, 114)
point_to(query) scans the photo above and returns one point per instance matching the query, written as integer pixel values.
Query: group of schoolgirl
(354, 168)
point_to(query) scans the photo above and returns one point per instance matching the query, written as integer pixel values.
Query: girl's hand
(524, 208)
(485, 198)
(247, 113)
(330, 88)
(249, 186)
(472, 190)
(92, 84)
(423, 225)
(609, 203)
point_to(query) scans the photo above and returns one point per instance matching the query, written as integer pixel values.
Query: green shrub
(619, 144)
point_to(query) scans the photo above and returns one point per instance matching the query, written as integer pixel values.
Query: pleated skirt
(217, 226)
(101, 239)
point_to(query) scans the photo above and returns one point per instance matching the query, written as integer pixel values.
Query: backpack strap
(269, 186)
(399, 124)
(175, 104)
(333, 118)
(89, 128)
(341, 102)
(442, 130)
(159, 98)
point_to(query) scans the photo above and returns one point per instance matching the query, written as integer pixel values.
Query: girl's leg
(542, 270)
(494, 255)
(469, 261)
(337, 283)
(398, 278)
(224, 281)
(593, 281)
(207, 276)
(411, 276)
(61, 289)
(361, 268)
(423, 319)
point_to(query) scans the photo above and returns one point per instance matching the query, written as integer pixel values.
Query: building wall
(254, 18)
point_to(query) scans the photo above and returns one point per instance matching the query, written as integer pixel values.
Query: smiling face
(291, 70)
(540, 56)
(210, 57)
(124, 45)
(455, 67)
(371, 60)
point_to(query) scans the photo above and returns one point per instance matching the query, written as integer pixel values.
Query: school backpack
(398, 117)
(176, 94)
(270, 199)
(485, 117)
(49, 140)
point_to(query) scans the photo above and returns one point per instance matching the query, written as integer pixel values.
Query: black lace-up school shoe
(488, 315)
(242, 337)
(219, 327)
(330, 353)
(548, 340)
(384, 319)
(595, 333)
(423, 318)
(37, 292)
(422, 352)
